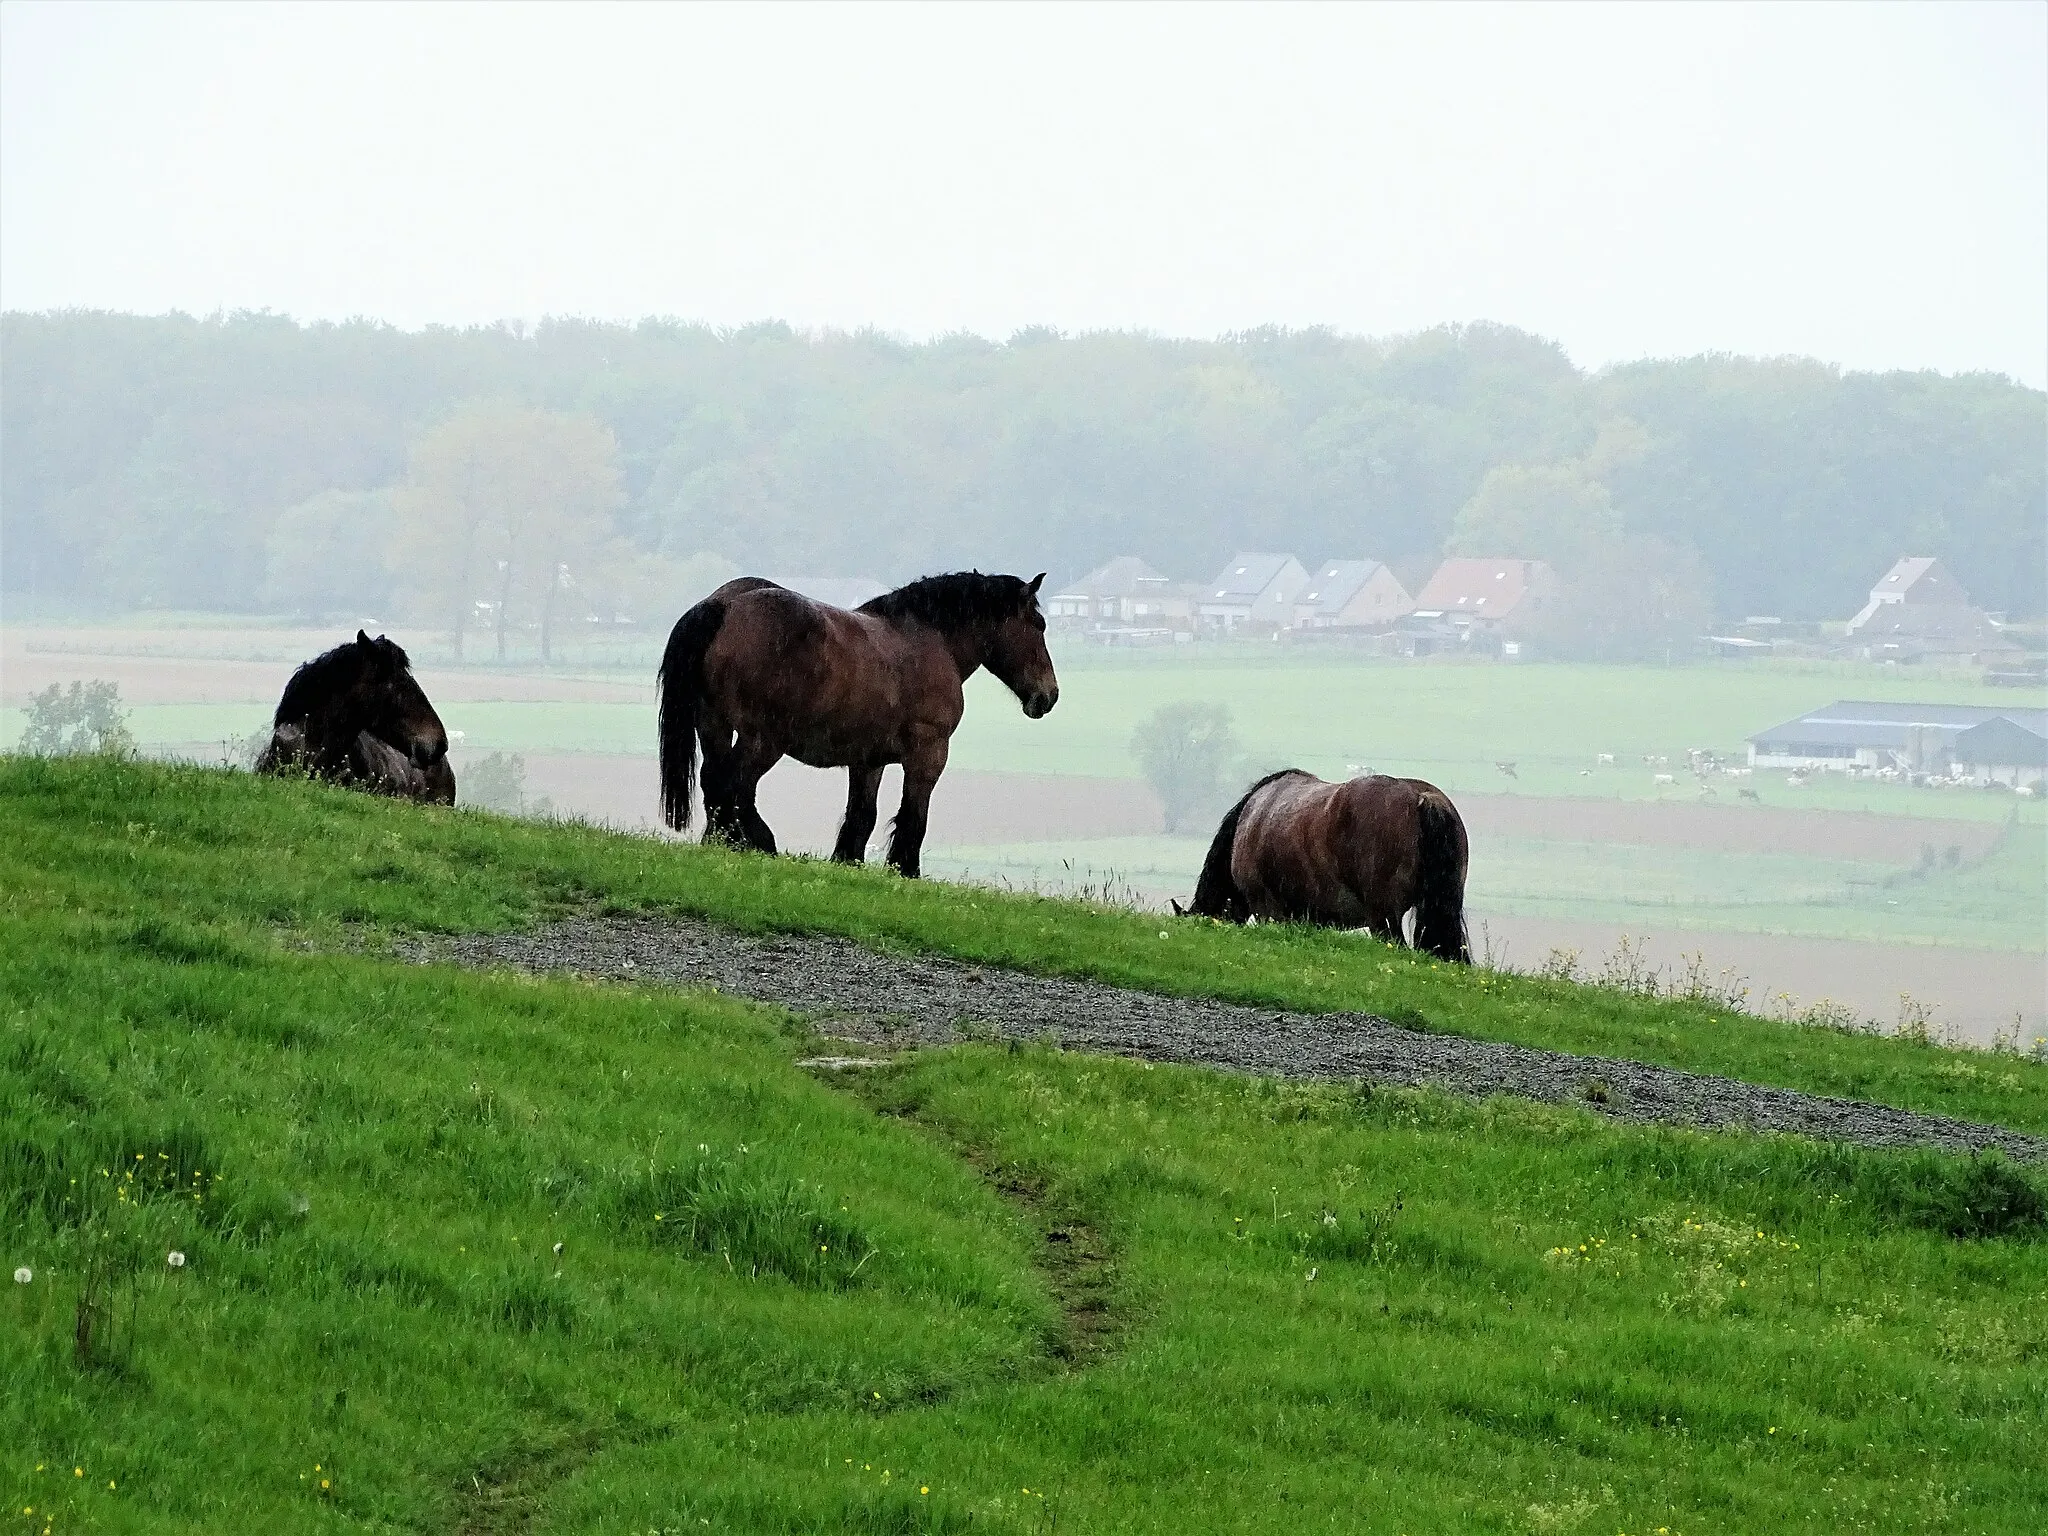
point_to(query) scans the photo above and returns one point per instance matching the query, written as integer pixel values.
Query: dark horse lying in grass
(355, 716)
(757, 672)
(1357, 855)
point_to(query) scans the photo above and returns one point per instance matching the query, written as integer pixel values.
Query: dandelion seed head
(22, 1276)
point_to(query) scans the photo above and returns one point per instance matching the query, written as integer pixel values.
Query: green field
(981, 1289)
(1449, 722)
(1998, 903)
(1452, 723)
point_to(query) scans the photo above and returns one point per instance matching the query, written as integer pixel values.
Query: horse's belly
(843, 754)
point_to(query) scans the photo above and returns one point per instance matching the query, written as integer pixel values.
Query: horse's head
(384, 699)
(1017, 653)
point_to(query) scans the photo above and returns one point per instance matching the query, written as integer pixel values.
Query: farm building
(1916, 738)
(1257, 590)
(1123, 600)
(2002, 751)
(1919, 612)
(1485, 596)
(1352, 594)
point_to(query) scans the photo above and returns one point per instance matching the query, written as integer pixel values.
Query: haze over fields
(1858, 183)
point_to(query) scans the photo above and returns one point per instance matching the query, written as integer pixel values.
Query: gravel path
(857, 994)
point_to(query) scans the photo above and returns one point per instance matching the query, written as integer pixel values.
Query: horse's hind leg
(750, 762)
(862, 786)
(721, 815)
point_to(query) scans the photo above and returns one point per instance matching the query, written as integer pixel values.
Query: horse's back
(1288, 855)
(829, 686)
(1352, 854)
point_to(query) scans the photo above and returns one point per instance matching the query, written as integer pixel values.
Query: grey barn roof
(1863, 723)
(2002, 743)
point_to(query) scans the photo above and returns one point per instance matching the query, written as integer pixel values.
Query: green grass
(216, 847)
(997, 1290)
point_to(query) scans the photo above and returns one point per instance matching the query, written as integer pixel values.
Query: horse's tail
(1440, 898)
(681, 680)
(1216, 892)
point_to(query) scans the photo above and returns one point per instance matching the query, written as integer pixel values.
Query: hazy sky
(1865, 184)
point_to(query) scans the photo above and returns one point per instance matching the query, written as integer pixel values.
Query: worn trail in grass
(782, 1304)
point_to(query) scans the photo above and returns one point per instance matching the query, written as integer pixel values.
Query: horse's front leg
(862, 786)
(921, 770)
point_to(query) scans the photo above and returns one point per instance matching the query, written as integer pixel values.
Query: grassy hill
(981, 1289)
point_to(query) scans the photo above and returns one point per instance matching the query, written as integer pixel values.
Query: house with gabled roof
(1352, 594)
(1118, 592)
(1919, 612)
(1254, 589)
(1488, 595)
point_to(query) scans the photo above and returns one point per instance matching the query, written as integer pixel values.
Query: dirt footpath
(857, 994)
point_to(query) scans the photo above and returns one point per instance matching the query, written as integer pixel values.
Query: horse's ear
(1036, 582)
(1178, 909)
(362, 639)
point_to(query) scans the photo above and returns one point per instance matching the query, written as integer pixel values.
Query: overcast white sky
(1864, 184)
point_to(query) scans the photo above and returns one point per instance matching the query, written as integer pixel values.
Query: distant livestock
(1362, 854)
(756, 673)
(355, 716)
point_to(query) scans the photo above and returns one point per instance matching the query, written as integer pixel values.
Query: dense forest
(246, 462)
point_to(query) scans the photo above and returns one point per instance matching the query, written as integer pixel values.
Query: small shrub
(498, 783)
(84, 718)
(1188, 754)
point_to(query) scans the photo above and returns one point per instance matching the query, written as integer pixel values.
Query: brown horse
(1357, 855)
(756, 673)
(356, 716)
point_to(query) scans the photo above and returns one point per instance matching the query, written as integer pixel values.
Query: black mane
(954, 601)
(332, 671)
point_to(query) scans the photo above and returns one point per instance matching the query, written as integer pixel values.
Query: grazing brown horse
(1362, 854)
(356, 716)
(756, 673)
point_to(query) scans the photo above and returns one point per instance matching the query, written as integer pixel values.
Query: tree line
(483, 479)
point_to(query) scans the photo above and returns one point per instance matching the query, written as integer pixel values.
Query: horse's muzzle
(425, 754)
(1039, 705)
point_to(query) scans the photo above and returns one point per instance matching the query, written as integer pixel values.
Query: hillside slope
(1007, 1289)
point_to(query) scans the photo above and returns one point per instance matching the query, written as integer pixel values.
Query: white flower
(558, 1250)
(175, 1259)
(23, 1275)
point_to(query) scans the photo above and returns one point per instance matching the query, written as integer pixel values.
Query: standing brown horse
(356, 716)
(1357, 855)
(756, 673)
